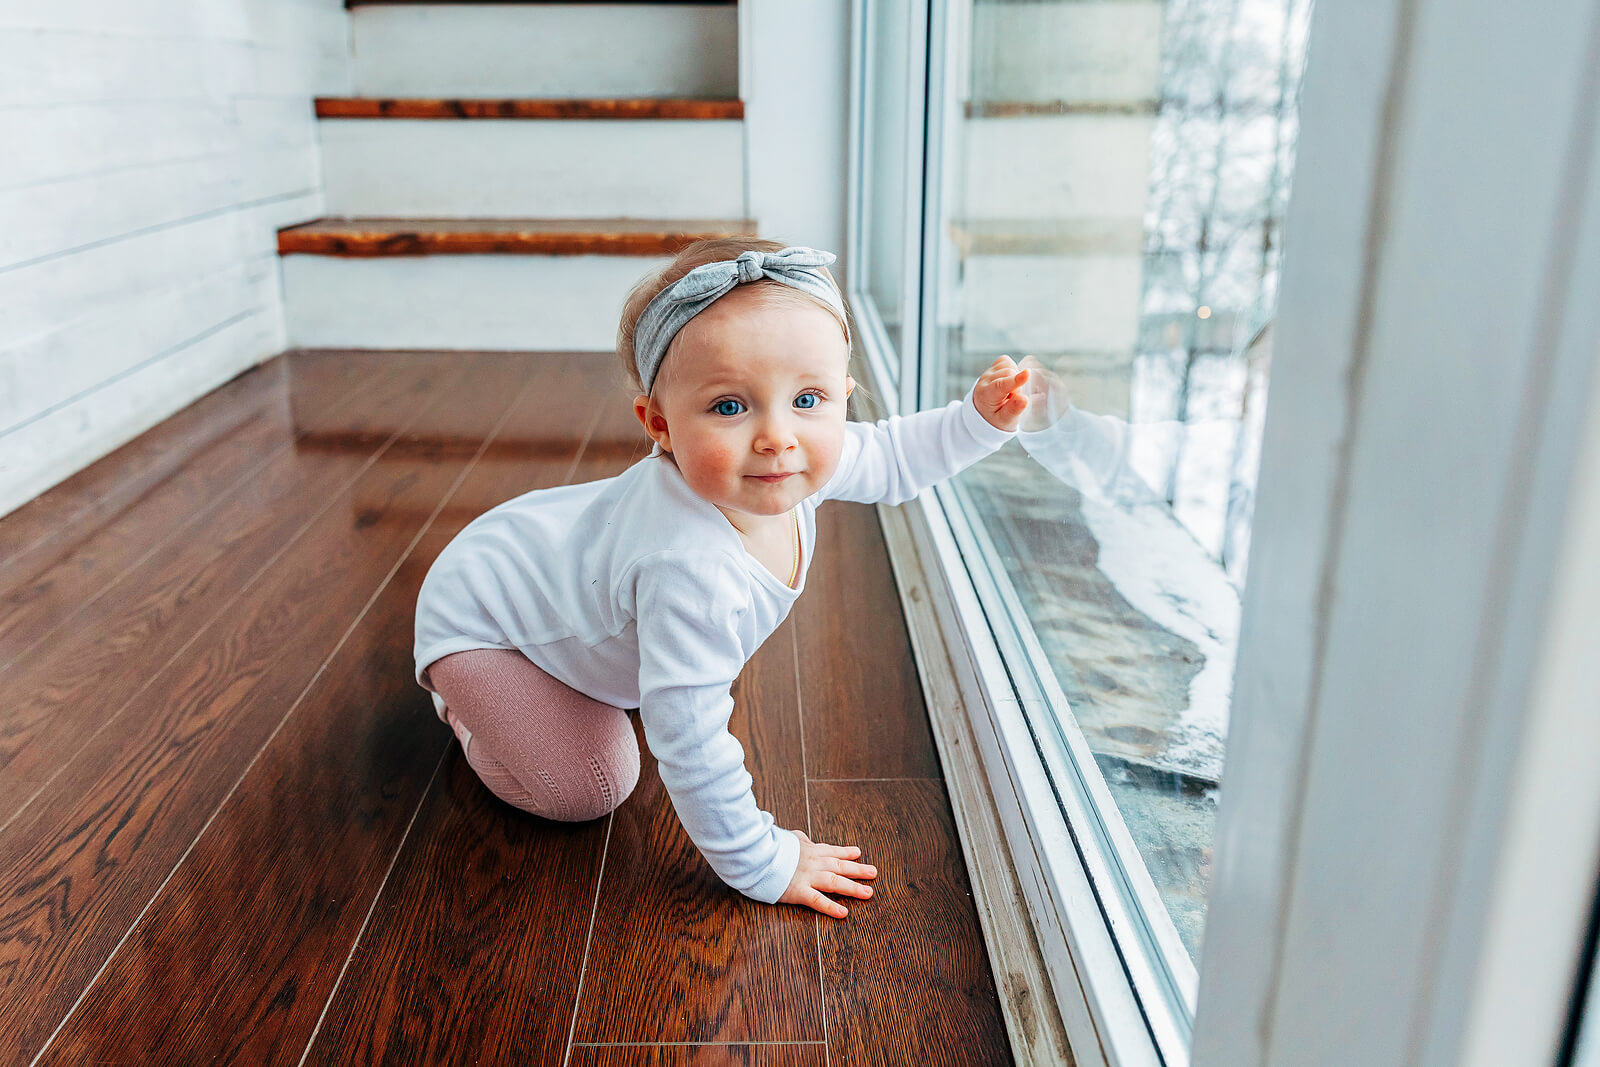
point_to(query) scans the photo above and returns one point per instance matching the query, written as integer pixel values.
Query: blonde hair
(710, 250)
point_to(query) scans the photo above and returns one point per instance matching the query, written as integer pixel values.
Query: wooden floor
(232, 829)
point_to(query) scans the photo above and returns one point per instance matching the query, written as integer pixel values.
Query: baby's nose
(775, 435)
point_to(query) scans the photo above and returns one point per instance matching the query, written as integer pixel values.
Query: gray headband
(685, 298)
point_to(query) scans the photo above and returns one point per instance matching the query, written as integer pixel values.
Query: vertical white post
(1408, 839)
(794, 78)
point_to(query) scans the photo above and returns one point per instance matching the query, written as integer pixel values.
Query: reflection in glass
(1111, 214)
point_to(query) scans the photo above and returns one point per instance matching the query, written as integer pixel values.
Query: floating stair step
(545, 50)
(360, 107)
(367, 237)
(501, 284)
(512, 168)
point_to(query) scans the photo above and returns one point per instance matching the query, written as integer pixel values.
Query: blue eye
(813, 397)
(722, 407)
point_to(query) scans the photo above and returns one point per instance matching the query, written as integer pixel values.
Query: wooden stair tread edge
(400, 237)
(647, 107)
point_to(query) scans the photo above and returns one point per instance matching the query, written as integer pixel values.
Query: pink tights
(537, 744)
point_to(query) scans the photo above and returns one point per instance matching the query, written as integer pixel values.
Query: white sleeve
(893, 460)
(688, 607)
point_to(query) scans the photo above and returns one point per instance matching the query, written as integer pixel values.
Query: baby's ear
(654, 423)
(849, 386)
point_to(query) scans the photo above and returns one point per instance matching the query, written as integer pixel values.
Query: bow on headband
(685, 298)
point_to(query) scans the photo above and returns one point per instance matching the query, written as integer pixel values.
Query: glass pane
(883, 142)
(1112, 216)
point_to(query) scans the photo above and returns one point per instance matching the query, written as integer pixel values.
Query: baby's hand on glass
(1048, 396)
(827, 869)
(999, 396)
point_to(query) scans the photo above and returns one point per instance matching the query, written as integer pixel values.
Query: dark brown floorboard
(676, 954)
(54, 521)
(120, 640)
(83, 860)
(241, 824)
(859, 692)
(905, 983)
(38, 602)
(92, 556)
(264, 910)
(475, 954)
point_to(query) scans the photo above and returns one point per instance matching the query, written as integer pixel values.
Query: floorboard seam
(594, 910)
(332, 499)
(445, 498)
(223, 803)
(805, 776)
(377, 896)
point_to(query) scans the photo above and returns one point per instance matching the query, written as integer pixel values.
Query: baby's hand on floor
(999, 395)
(827, 869)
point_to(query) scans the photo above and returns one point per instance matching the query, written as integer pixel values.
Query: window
(1105, 198)
(1405, 850)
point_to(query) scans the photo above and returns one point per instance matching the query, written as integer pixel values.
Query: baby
(551, 613)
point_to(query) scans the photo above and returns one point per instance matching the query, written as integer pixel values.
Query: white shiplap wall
(149, 151)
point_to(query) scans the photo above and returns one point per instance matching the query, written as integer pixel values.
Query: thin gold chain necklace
(795, 573)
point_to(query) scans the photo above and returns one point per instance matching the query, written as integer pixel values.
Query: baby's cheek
(825, 456)
(714, 465)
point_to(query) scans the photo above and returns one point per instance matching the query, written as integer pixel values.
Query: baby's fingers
(818, 902)
(838, 883)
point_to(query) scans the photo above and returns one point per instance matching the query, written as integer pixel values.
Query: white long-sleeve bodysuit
(639, 593)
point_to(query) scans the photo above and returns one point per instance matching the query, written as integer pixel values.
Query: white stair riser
(459, 302)
(1080, 53)
(1057, 166)
(537, 50)
(1051, 303)
(535, 168)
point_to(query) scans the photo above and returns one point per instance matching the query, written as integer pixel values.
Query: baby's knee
(612, 774)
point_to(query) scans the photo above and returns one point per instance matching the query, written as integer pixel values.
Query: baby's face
(756, 390)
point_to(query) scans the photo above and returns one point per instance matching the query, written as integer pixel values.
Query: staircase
(504, 172)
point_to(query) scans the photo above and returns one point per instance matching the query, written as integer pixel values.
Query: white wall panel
(74, 356)
(56, 288)
(152, 149)
(797, 151)
(45, 219)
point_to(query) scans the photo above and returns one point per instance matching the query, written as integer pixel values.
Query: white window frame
(889, 367)
(1344, 926)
